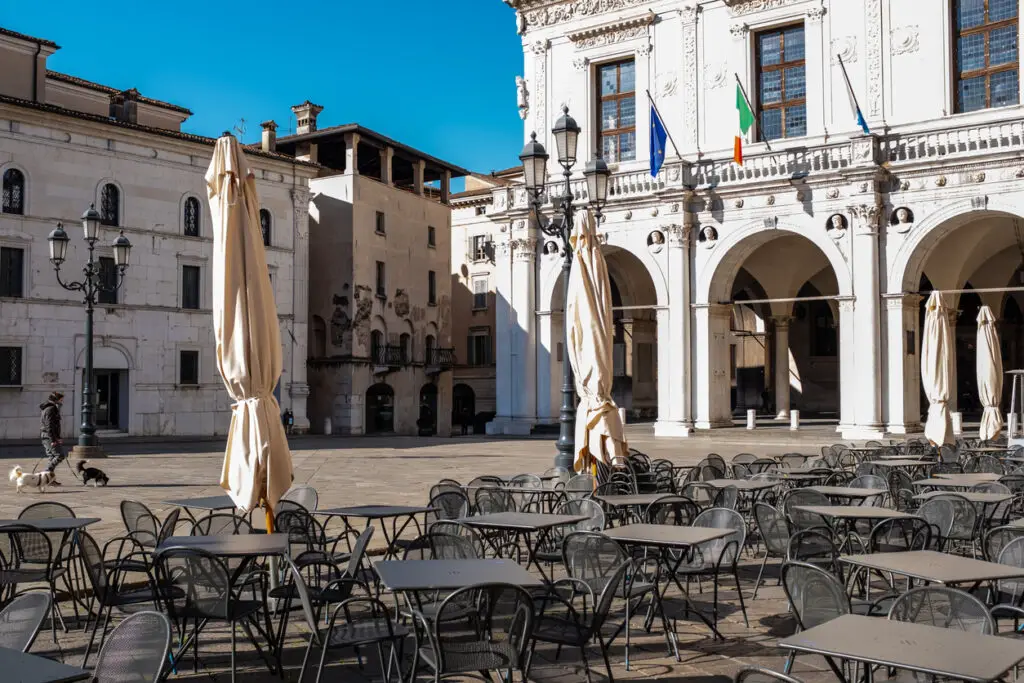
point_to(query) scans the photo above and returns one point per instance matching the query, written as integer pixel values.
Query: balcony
(386, 358)
(439, 360)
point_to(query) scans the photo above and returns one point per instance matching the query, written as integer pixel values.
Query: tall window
(382, 287)
(12, 271)
(192, 217)
(431, 287)
(10, 366)
(431, 236)
(110, 205)
(190, 287)
(108, 280)
(617, 109)
(482, 248)
(781, 83)
(479, 293)
(405, 346)
(188, 367)
(479, 346)
(14, 191)
(376, 345)
(430, 350)
(987, 70)
(380, 225)
(265, 226)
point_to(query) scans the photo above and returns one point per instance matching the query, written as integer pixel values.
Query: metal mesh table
(524, 525)
(401, 516)
(22, 667)
(930, 566)
(448, 575)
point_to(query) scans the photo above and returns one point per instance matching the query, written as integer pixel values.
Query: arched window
(14, 191)
(430, 348)
(110, 205)
(265, 226)
(405, 344)
(191, 217)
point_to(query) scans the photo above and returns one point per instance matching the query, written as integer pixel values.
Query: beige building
(380, 353)
(66, 143)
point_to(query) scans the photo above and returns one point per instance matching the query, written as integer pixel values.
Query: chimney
(124, 106)
(305, 115)
(269, 141)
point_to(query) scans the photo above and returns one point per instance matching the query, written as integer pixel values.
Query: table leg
(686, 597)
(532, 548)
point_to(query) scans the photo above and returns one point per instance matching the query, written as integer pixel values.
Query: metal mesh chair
(757, 674)
(945, 468)
(996, 539)
(196, 586)
(743, 458)
(135, 651)
(1011, 591)
(577, 619)
(580, 485)
(220, 524)
(1014, 482)
(802, 519)
(740, 470)
(939, 514)
(496, 640)
(793, 461)
(21, 619)
(728, 497)
(814, 546)
(774, 529)
(712, 558)
(763, 465)
(675, 510)
(984, 463)
(900, 534)
(965, 519)
(943, 607)
(815, 596)
(28, 558)
(303, 494)
(550, 550)
(561, 475)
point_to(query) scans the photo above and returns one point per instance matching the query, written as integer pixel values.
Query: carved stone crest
(715, 75)
(904, 39)
(844, 47)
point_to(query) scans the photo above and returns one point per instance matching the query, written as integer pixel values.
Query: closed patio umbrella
(937, 369)
(588, 314)
(990, 375)
(257, 462)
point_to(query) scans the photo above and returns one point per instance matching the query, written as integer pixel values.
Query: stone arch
(550, 294)
(122, 200)
(107, 354)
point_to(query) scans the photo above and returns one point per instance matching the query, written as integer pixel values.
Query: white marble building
(829, 235)
(66, 143)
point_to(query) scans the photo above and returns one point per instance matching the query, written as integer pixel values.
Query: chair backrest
(727, 497)
(774, 528)
(1014, 482)
(763, 465)
(455, 528)
(740, 470)
(965, 516)
(984, 463)
(674, 510)
(991, 487)
(997, 538)
(193, 583)
(723, 550)
(526, 481)
(450, 547)
(21, 619)
(588, 555)
(1012, 554)
(939, 514)
(485, 480)
(711, 472)
(93, 561)
(943, 607)
(802, 519)
(757, 674)
(504, 626)
(580, 485)
(446, 487)
(28, 546)
(135, 651)
(869, 481)
(220, 524)
(793, 460)
(743, 458)
(491, 500)
(947, 454)
(46, 510)
(169, 525)
(355, 560)
(716, 460)
(561, 475)
(303, 494)
(815, 595)
(814, 546)
(304, 531)
(900, 534)
(595, 515)
(452, 504)
(140, 523)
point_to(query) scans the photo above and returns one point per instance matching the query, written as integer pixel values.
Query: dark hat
(56, 396)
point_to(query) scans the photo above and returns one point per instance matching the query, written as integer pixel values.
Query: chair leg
(789, 663)
(529, 660)
(607, 664)
(739, 591)
(757, 584)
(627, 632)
(586, 664)
(305, 658)
(233, 628)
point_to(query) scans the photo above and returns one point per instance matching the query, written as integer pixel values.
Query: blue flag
(659, 135)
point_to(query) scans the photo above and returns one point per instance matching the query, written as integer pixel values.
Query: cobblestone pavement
(398, 470)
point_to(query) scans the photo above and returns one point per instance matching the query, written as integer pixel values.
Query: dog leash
(67, 462)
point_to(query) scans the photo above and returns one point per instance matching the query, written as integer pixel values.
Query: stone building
(794, 280)
(380, 327)
(66, 143)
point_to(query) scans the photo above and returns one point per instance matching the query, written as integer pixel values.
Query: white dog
(39, 480)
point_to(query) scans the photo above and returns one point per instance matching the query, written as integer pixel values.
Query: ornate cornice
(615, 32)
(540, 13)
(741, 7)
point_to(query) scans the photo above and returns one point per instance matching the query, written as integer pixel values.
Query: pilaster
(712, 365)
(903, 415)
(298, 389)
(503, 343)
(523, 331)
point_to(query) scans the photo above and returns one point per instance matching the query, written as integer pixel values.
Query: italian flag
(746, 121)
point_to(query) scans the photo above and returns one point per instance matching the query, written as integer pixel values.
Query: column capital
(678, 235)
(782, 321)
(523, 249)
(714, 310)
(867, 217)
(900, 300)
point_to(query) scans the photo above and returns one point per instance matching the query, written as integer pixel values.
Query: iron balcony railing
(387, 355)
(440, 359)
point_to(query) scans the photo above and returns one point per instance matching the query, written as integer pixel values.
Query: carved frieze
(557, 14)
(609, 34)
(741, 7)
(873, 54)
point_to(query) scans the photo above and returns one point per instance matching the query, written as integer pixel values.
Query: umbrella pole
(274, 580)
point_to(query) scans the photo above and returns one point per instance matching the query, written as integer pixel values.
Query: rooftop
(99, 87)
(33, 39)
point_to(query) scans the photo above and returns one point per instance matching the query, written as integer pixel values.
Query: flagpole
(667, 133)
(849, 89)
(743, 91)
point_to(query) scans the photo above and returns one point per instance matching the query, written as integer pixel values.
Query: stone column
(711, 339)
(298, 388)
(847, 367)
(386, 156)
(904, 366)
(504, 318)
(351, 153)
(523, 333)
(446, 186)
(781, 369)
(674, 347)
(419, 169)
(867, 321)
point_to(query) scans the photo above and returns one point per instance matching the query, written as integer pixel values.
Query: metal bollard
(794, 420)
(958, 423)
(1011, 425)
(327, 426)
(751, 418)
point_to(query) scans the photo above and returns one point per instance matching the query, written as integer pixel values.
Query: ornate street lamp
(535, 160)
(90, 286)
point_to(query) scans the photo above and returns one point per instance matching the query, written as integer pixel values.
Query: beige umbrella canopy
(990, 375)
(588, 314)
(937, 369)
(257, 462)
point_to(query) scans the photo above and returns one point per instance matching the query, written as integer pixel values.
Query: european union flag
(659, 135)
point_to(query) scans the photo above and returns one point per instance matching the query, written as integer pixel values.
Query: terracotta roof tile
(22, 36)
(75, 80)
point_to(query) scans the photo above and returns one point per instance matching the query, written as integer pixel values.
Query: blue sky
(439, 76)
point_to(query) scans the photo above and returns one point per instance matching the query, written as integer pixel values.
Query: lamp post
(535, 160)
(90, 286)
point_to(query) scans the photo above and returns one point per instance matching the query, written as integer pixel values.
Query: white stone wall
(66, 161)
(769, 219)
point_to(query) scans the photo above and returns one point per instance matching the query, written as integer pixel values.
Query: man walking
(49, 432)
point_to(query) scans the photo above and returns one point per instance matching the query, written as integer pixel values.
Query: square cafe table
(666, 537)
(22, 667)
(380, 513)
(232, 546)
(956, 481)
(448, 575)
(973, 477)
(930, 566)
(914, 647)
(853, 512)
(632, 499)
(847, 492)
(523, 524)
(207, 503)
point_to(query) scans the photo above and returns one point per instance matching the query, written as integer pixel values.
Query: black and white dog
(97, 476)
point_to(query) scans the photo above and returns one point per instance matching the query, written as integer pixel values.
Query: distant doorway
(463, 407)
(380, 409)
(427, 422)
(107, 388)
